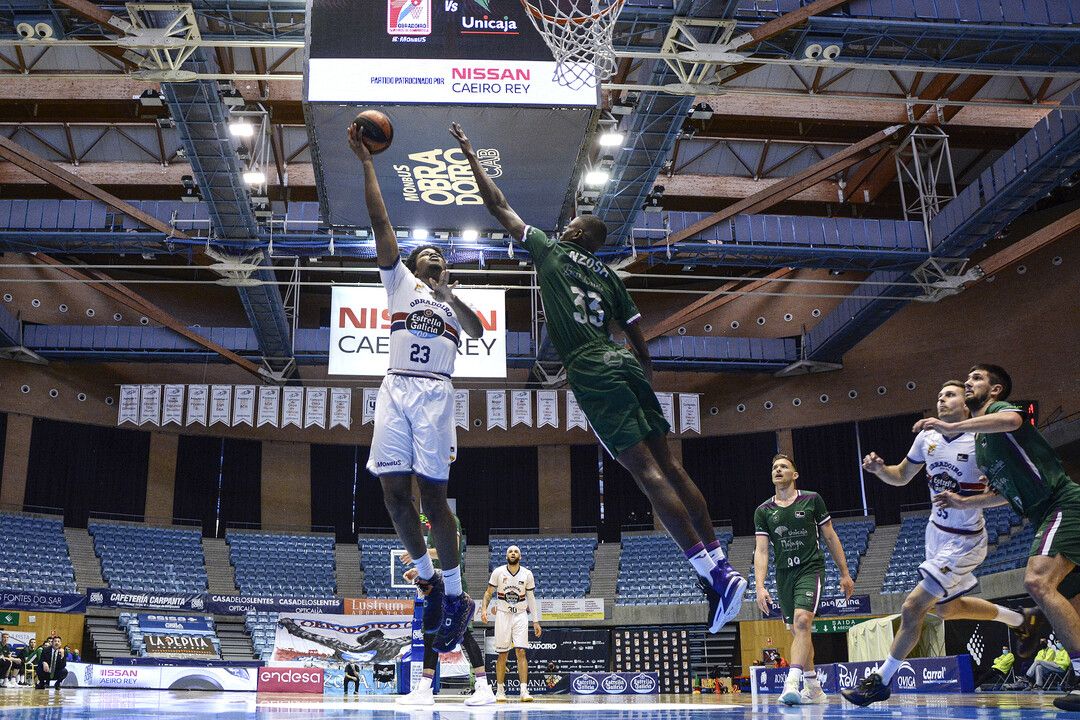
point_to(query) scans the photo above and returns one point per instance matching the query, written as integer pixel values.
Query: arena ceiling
(766, 141)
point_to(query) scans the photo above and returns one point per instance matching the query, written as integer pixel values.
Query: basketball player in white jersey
(955, 540)
(414, 413)
(513, 586)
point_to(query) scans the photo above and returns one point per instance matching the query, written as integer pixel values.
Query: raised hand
(461, 137)
(356, 142)
(873, 463)
(442, 288)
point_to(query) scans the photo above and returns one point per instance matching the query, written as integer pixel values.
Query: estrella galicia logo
(585, 685)
(425, 323)
(614, 684)
(643, 684)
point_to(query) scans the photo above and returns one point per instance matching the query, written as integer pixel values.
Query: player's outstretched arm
(981, 501)
(996, 422)
(386, 247)
(832, 541)
(891, 474)
(493, 198)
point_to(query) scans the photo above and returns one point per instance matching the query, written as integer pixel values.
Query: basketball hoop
(579, 35)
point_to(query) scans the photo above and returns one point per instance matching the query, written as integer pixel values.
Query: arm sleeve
(626, 309)
(537, 243)
(916, 454)
(534, 607)
(760, 526)
(821, 513)
(392, 277)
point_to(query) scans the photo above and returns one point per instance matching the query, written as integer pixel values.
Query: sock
(716, 552)
(810, 679)
(1009, 617)
(480, 675)
(424, 684)
(452, 581)
(699, 558)
(424, 566)
(794, 674)
(888, 668)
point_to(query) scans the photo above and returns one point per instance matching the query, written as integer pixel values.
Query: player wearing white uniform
(513, 585)
(955, 541)
(414, 412)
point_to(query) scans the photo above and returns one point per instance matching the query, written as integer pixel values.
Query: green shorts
(612, 390)
(799, 590)
(1059, 532)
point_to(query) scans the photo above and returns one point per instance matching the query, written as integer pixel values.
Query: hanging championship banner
(244, 405)
(150, 405)
(547, 408)
(689, 412)
(461, 409)
(575, 416)
(521, 408)
(360, 332)
(315, 407)
(341, 407)
(370, 395)
(292, 406)
(128, 410)
(269, 402)
(496, 409)
(667, 405)
(196, 404)
(172, 410)
(220, 404)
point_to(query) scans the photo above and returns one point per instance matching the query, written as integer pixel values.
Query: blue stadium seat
(283, 564)
(36, 556)
(140, 557)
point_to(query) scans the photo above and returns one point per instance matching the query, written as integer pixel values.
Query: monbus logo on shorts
(443, 176)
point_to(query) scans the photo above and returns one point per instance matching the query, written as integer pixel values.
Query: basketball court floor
(151, 704)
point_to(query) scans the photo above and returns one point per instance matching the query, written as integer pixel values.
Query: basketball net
(579, 35)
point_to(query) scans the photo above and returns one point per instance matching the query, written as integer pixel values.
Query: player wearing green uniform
(1021, 467)
(792, 521)
(584, 301)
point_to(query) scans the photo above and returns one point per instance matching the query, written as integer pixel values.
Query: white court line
(615, 704)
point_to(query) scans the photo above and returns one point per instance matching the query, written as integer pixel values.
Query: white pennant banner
(128, 410)
(220, 404)
(292, 406)
(547, 408)
(243, 405)
(315, 407)
(521, 408)
(496, 409)
(667, 405)
(172, 409)
(575, 416)
(461, 409)
(689, 412)
(150, 405)
(370, 396)
(196, 404)
(341, 407)
(269, 403)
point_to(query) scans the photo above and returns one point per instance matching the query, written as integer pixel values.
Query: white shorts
(414, 428)
(511, 630)
(951, 559)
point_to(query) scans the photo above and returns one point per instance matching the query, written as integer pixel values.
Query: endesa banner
(832, 606)
(45, 601)
(927, 675)
(360, 333)
(615, 683)
(291, 679)
(176, 624)
(107, 597)
(239, 604)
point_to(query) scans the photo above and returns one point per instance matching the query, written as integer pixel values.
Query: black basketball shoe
(870, 690)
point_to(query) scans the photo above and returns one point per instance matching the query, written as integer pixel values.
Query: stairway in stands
(87, 565)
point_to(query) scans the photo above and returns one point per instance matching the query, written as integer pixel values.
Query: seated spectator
(10, 661)
(1048, 662)
(1003, 663)
(780, 661)
(29, 657)
(52, 667)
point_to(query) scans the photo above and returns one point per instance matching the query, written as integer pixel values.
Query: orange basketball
(378, 133)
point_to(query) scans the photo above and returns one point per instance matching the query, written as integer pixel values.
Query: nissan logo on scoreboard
(360, 333)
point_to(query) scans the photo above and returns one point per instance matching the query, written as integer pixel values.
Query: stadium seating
(279, 564)
(1010, 554)
(654, 571)
(561, 566)
(375, 560)
(36, 554)
(142, 557)
(129, 623)
(854, 538)
(263, 627)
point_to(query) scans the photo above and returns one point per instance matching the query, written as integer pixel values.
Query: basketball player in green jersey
(1021, 467)
(584, 301)
(792, 520)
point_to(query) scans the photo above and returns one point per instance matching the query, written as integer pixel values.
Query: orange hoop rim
(580, 20)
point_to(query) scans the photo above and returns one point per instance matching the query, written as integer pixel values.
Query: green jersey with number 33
(582, 296)
(793, 530)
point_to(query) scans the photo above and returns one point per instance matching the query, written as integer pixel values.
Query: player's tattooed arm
(494, 200)
(386, 247)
